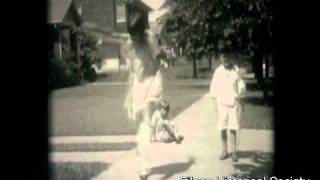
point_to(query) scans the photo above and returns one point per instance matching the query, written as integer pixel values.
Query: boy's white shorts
(228, 117)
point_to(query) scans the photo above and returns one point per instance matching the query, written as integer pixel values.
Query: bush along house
(64, 21)
(64, 61)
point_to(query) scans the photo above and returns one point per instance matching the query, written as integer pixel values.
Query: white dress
(145, 79)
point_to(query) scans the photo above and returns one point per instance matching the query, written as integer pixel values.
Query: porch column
(57, 44)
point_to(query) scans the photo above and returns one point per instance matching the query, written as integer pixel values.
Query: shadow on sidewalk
(169, 170)
(260, 165)
(79, 171)
(89, 147)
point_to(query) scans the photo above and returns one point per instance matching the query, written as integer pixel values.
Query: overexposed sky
(153, 15)
(154, 4)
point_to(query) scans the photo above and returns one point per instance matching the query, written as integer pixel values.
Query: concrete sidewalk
(198, 155)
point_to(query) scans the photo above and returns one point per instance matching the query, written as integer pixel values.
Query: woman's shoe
(180, 139)
(223, 155)
(143, 175)
(234, 157)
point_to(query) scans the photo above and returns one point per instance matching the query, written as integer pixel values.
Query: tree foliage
(207, 27)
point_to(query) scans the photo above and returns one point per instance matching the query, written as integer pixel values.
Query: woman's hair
(165, 105)
(136, 17)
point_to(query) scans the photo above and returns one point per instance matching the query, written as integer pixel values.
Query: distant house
(63, 20)
(121, 17)
(100, 17)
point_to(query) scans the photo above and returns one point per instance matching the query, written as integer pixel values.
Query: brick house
(63, 21)
(99, 18)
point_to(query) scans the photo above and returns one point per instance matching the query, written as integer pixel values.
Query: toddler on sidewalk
(164, 129)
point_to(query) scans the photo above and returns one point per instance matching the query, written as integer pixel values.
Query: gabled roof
(58, 10)
(98, 12)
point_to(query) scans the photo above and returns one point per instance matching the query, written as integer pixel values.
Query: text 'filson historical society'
(234, 178)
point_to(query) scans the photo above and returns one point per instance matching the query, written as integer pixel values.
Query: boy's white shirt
(227, 85)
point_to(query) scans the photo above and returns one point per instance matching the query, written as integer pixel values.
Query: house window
(121, 18)
(121, 12)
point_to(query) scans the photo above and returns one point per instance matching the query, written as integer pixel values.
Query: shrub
(63, 74)
(66, 72)
(90, 74)
(57, 73)
(73, 74)
(89, 56)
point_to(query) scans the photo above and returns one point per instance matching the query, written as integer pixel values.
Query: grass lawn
(256, 114)
(97, 109)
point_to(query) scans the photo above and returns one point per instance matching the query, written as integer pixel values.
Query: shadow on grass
(112, 77)
(93, 147)
(169, 170)
(200, 86)
(253, 87)
(256, 87)
(79, 171)
(259, 101)
(261, 165)
(103, 76)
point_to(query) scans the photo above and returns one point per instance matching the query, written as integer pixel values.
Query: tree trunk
(75, 46)
(266, 78)
(173, 56)
(257, 64)
(210, 62)
(195, 75)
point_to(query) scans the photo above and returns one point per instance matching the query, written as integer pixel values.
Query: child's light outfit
(161, 134)
(226, 87)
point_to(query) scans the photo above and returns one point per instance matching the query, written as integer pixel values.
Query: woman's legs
(144, 137)
(143, 143)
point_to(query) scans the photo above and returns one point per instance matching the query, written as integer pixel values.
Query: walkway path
(198, 155)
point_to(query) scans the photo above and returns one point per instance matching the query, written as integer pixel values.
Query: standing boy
(228, 88)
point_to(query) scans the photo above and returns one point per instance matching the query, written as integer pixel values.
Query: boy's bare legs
(224, 153)
(234, 145)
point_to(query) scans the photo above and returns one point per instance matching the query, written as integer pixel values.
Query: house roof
(58, 10)
(97, 13)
